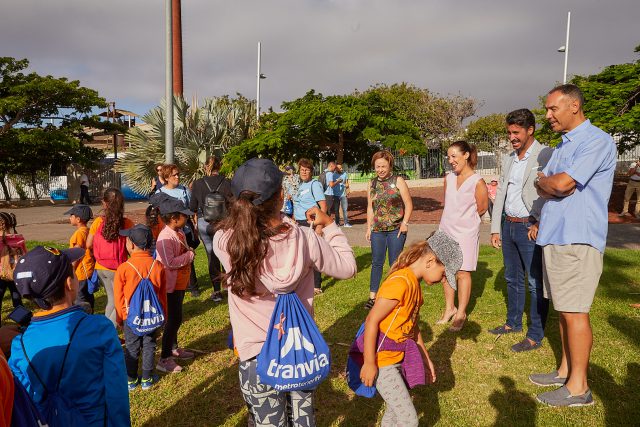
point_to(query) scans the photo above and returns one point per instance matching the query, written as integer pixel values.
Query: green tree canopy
(488, 132)
(347, 128)
(27, 144)
(436, 116)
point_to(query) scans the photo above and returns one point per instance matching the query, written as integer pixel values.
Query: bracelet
(406, 223)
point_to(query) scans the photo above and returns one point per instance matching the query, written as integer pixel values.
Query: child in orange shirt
(394, 320)
(79, 216)
(128, 275)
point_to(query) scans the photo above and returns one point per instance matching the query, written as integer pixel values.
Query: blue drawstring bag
(288, 207)
(144, 312)
(93, 283)
(354, 364)
(294, 356)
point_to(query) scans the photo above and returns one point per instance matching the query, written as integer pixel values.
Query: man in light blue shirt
(328, 182)
(577, 182)
(340, 190)
(518, 199)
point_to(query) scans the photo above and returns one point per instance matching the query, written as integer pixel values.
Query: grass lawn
(480, 381)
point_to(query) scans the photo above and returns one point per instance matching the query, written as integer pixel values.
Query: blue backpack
(145, 313)
(57, 409)
(294, 356)
(93, 283)
(25, 413)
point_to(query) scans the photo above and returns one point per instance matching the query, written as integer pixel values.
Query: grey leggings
(106, 277)
(268, 407)
(400, 410)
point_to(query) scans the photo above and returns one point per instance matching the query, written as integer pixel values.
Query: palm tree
(198, 133)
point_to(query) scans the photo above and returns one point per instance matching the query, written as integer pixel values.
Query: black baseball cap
(83, 212)
(140, 235)
(173, 205)
(41, 271)
(260, 176)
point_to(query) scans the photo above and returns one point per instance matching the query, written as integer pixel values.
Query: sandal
(370, 303)
(317, 291)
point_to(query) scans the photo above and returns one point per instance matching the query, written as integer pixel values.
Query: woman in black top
(199, 190)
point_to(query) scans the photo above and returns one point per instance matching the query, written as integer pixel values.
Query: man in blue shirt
(577, 182)
(340, 190)
(327, 179)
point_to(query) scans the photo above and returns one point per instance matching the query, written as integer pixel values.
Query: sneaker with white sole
(169, 366)
(562, 397)
(181, 353)
(132, 383)
(347, 225)
(551, 379)
(147, 383)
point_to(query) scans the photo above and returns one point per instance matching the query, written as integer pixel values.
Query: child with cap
(128, 275)
(79, 216)
(393, 320)
(176, 256)
(66, 349)
(266, 253)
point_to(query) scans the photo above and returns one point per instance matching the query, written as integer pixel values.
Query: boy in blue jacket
(94, 376)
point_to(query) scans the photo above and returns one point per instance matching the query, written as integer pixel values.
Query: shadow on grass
(479, 280)
(628, 326)
(616, 275)
(620, 401)
(514, 407)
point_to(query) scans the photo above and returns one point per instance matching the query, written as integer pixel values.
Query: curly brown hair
(248, 243)
(113, 202)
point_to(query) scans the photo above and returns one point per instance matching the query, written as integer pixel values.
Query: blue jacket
(94, 376)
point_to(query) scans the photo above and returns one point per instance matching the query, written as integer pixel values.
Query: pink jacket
(288, 266)
(172, 251)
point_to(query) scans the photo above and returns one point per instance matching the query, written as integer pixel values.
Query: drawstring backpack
(356, 360)
(294, 356)
(144, 311)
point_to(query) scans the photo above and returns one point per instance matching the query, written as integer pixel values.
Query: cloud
(501, 52)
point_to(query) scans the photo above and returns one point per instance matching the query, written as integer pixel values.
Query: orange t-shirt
(127, 279)
(94, 229)
(404, 287)
(84, 270)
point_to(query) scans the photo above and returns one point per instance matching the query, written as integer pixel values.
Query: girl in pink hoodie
(264, 254)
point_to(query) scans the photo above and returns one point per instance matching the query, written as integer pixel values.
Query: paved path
(48, 223)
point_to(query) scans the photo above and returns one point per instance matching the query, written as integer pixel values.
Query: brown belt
(516, 219)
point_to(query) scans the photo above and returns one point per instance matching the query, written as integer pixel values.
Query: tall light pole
(168, 92)
(565, 49)
(259, 76)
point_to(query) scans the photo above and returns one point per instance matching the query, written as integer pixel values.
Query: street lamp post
(259, 76)
(565, 49)
(168, 93)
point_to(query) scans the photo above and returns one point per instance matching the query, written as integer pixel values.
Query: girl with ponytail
(392, 324)
(465, 201)
(265, 253)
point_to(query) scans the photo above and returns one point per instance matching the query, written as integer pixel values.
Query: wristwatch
(406, 223)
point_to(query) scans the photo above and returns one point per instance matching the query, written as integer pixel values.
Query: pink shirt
(288, 266)
(172, 251)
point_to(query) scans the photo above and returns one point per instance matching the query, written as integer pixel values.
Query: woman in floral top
(290, 184)
(389, 208)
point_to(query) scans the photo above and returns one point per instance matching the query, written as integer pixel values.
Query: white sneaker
(621, 214)
(347, 225)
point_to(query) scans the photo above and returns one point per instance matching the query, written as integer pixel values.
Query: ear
(531, 130)
(575, 106)
(69, 284)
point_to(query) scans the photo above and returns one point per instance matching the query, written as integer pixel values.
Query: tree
(612, 102)
(489, 134)
(27, 144)
(347, 128)
(219, 125)
(437, 117)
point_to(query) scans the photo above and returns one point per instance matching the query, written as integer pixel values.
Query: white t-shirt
(635, 176)
(84, 180)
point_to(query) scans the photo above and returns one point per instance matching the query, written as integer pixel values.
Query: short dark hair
(522, 117)
(571, 90)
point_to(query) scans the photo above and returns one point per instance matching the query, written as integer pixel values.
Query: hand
(368, 234)
(404, 228)
(430, 374)
(496, 242)
(317, 217)
(533, 231)
(368, 373)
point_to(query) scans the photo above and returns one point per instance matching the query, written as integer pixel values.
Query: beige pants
(631, 187)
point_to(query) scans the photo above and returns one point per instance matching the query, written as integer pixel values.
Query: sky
(502, 53)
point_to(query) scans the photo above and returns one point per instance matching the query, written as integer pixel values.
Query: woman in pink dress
(465, 201)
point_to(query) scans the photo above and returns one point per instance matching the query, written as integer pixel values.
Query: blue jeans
(342, 205)
(381, 241)
(521, 256)
(213, 261)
